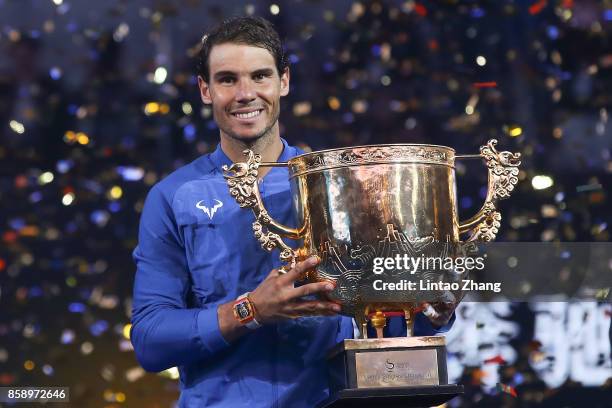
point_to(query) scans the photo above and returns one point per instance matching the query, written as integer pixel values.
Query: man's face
(244, 89)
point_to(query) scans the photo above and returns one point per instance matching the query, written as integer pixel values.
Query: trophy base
(393, 397)
(398, 371)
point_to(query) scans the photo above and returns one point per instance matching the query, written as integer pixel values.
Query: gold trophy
(356, 204)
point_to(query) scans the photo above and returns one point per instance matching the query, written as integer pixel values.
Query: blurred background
(98, 101)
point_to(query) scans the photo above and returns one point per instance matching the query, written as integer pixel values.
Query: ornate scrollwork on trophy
(243, 179)
(487, 230)
(375, 155)
(503, 167)
(242, 182)
(270, 241)
(503, 176)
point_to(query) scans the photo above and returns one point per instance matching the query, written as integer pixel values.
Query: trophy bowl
(354, 205)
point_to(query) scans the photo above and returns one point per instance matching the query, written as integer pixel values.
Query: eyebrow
(262, 71)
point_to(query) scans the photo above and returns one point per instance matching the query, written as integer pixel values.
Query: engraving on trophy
(352, 267)
(333, 268)
(397, 368)
(373, 155)
(394, 242)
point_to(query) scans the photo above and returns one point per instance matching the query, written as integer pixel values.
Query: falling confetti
(507, 389)
(495, 360)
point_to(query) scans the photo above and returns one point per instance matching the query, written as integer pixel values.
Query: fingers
(444, 307)
(296, 272)
(312, 289)
(439, 313)
(273, 273)
(430, 311)
(312, 308)
(438, 308)
(276, 298)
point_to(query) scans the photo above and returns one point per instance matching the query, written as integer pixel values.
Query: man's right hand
(277, 299)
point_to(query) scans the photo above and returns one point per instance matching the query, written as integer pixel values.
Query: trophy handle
(242, 182)
(503, 176)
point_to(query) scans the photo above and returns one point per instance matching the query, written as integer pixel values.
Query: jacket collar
(219, 158)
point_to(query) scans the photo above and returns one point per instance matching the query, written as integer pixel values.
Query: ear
(284, 90)
(204, 91)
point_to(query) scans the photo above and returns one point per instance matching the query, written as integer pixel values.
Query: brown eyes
(231, 80)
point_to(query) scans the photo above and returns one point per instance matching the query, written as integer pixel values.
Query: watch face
(243, 311)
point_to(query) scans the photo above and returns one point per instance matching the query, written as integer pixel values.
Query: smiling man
(207, 298)
(243, 74)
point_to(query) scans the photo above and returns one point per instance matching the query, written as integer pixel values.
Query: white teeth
(248, 115)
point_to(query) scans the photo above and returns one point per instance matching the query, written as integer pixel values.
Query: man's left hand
(439, 313)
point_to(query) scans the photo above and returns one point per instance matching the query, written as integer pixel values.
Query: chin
(249, 135)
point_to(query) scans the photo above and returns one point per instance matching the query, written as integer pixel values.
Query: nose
(246, 91)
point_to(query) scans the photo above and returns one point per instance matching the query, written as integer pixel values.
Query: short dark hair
(255, 31)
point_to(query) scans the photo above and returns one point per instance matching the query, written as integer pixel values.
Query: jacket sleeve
(165, 333)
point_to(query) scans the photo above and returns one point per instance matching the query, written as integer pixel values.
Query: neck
(269, 146)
